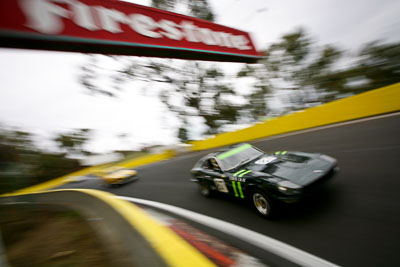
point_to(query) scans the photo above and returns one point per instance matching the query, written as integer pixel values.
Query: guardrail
(145, 160)
(371, 103)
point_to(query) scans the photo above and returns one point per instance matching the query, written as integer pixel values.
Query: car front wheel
(262, 203)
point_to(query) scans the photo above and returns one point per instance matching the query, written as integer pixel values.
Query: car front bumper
(308, 190)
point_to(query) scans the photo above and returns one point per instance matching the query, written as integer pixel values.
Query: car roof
(234, 149)
(220, 152)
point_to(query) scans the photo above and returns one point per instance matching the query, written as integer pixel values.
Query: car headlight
(288, 187)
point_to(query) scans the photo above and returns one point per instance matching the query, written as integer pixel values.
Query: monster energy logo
(239, 188)
(236, 182)
(241, 173)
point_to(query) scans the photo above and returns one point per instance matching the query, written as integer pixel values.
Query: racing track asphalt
(353, 221)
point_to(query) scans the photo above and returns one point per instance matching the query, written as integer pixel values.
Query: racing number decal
(236, 183)
(221, 186)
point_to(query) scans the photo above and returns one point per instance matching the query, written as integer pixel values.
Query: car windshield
(238, 156)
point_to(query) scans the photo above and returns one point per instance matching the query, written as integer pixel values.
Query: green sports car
(246, 172)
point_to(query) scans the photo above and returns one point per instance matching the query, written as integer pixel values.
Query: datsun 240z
(246, 172)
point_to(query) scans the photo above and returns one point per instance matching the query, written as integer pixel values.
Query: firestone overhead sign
(114, 27)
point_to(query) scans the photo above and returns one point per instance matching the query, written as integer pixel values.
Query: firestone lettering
(46, 16)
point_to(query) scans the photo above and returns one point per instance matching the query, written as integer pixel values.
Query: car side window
(206, 164)
(214, 165)
(210, 165)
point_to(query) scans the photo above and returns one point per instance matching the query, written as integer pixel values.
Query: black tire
(262, 203)
(205, 190)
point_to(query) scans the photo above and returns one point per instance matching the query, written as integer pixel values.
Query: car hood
(120, 174)
(298, 167)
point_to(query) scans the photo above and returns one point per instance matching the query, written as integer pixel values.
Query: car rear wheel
(205, 190)
(262, 203)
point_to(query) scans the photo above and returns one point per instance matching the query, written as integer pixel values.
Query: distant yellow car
(117, 175)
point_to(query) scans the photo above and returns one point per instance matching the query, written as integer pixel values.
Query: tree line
(305, 73)
(23, 163)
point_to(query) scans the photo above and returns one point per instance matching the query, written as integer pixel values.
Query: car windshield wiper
(241, 163)
(247, 160)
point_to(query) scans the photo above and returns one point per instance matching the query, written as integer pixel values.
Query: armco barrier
(145, 160)
(132, 233)
(375, 102)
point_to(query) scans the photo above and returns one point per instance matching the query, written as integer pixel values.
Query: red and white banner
(116, 27)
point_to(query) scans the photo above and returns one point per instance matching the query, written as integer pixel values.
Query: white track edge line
(264, 242)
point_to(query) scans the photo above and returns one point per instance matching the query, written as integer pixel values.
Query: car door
(216, 177)
(237, 182)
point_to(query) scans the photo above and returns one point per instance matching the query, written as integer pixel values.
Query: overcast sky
(40, 93)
